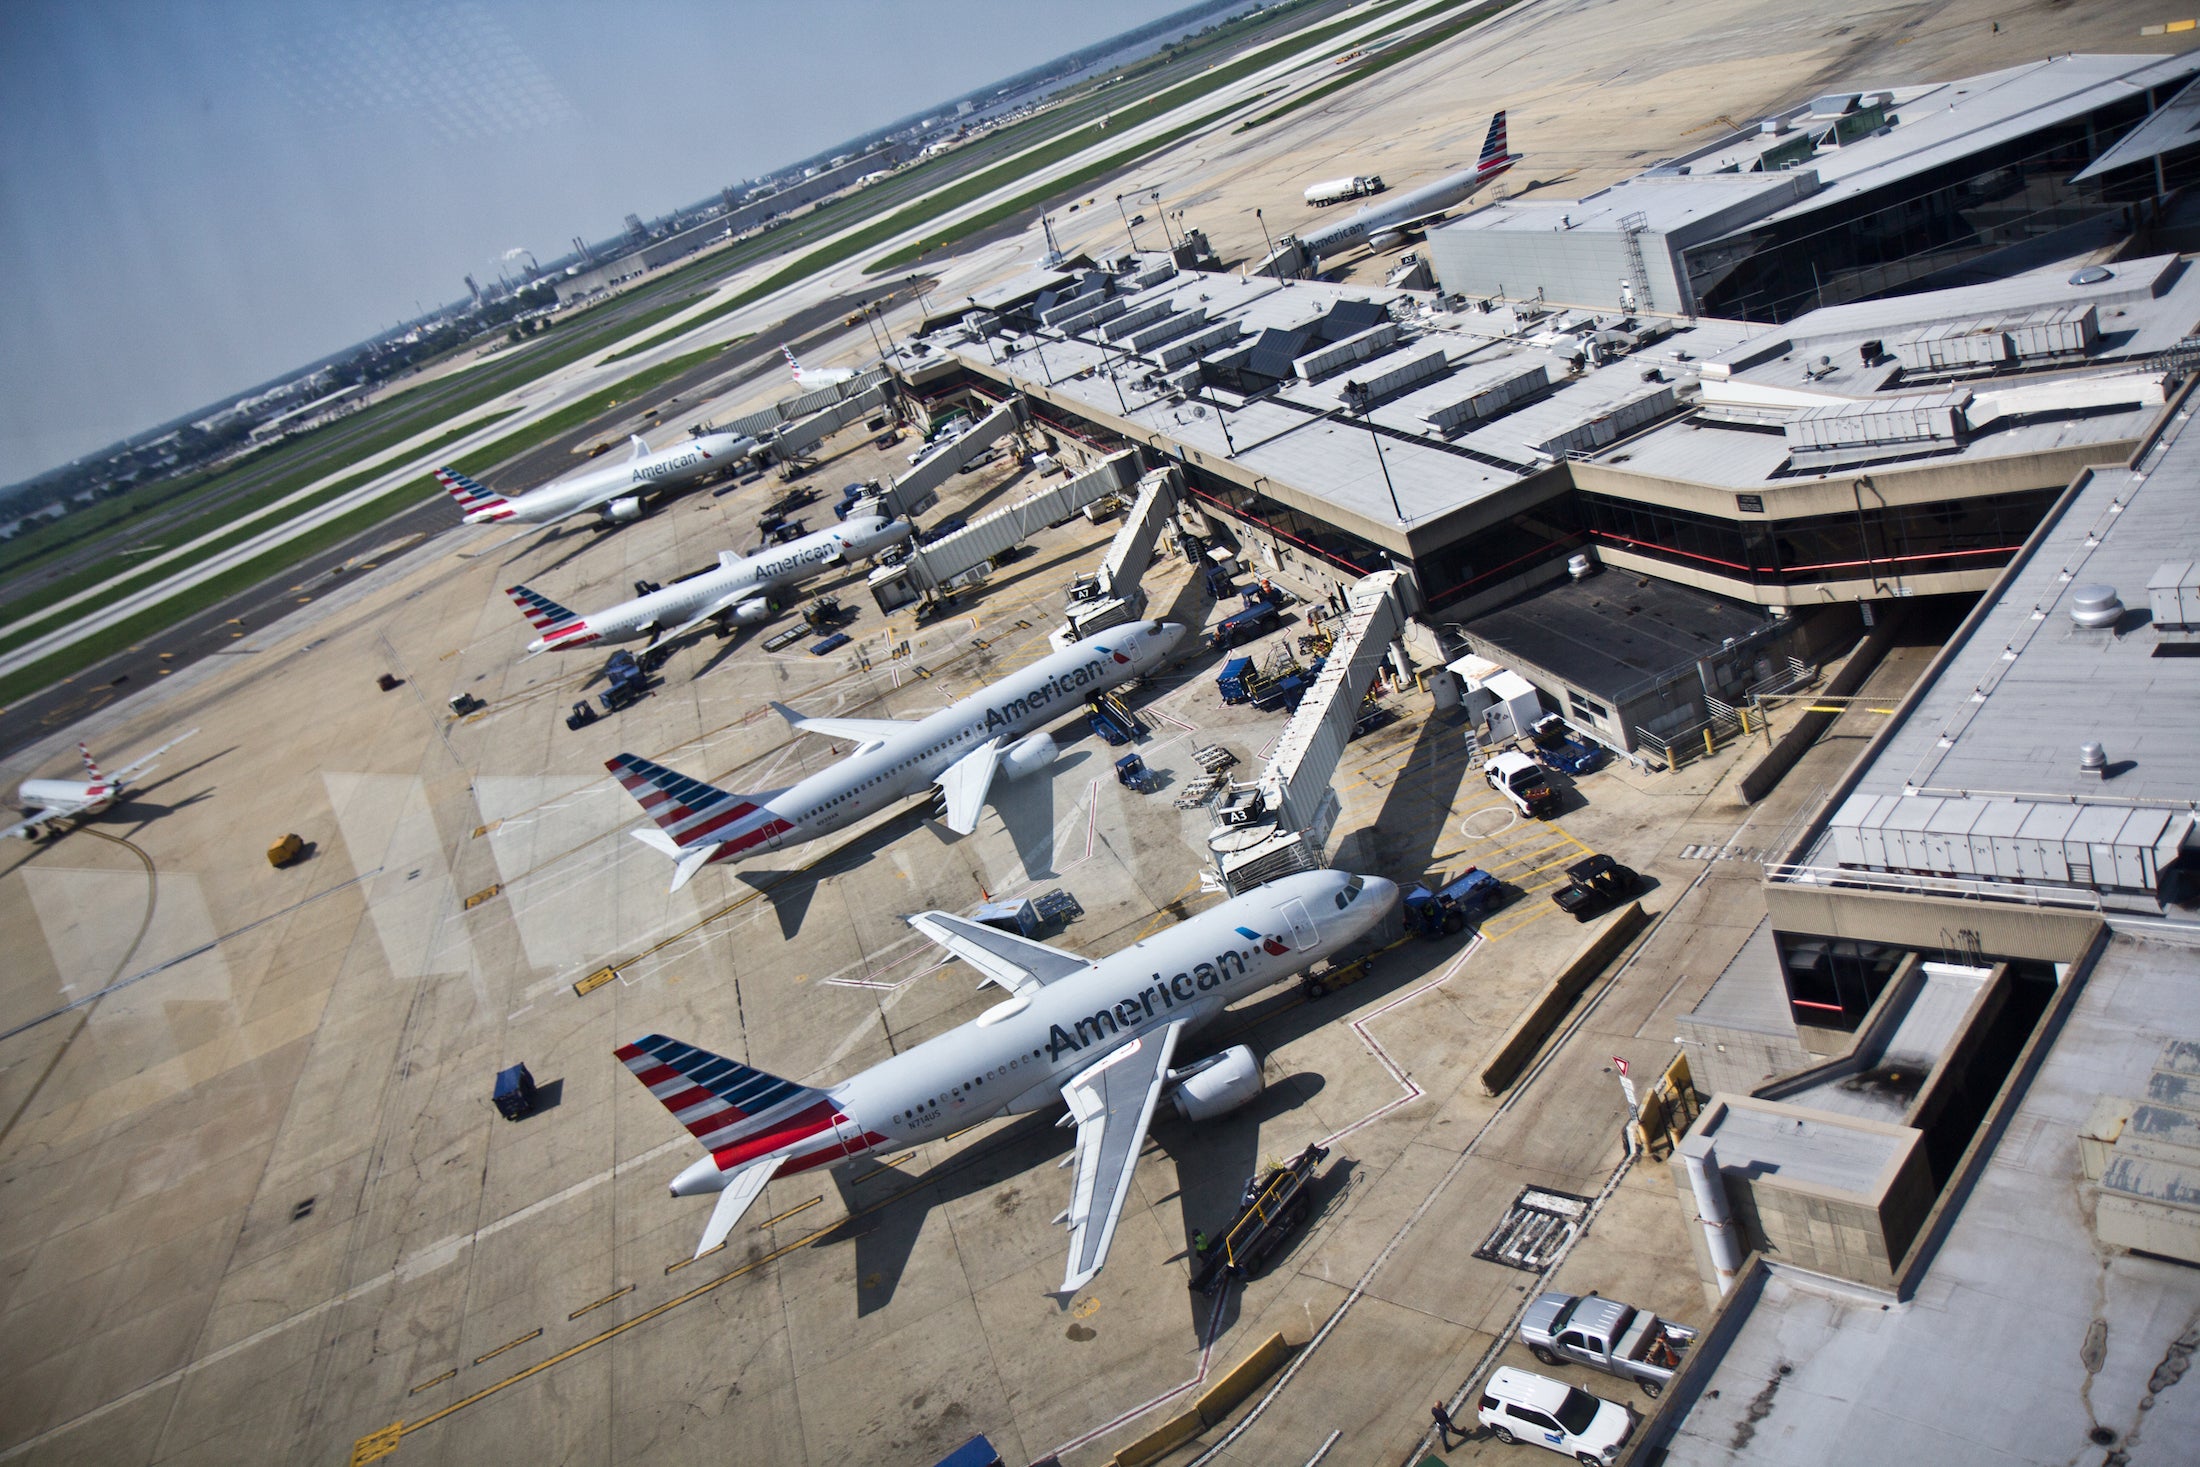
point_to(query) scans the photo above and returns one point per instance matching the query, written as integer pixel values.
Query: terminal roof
(1614, 633)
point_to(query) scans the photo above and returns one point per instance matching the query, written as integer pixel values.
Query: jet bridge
(962, 557)
(1280, 823)
(803, 434)
(1112, 595)
(948, 459)
(765, 423)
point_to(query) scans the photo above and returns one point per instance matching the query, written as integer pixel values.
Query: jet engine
(1377, 243)
(1028, 755)
(1218, 1084)
(748, 613)
(623, 511)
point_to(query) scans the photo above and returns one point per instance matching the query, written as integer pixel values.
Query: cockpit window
(1351, 893)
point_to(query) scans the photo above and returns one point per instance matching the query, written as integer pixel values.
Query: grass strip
(1382, 61)
(204, 523)
(188, 602)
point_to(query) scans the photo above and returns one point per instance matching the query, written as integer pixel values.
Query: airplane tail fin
(91, 766)
(792, 365)
(546, 614)
(727, 1105)
(1493, 146)
(471, 496)
(689, 811)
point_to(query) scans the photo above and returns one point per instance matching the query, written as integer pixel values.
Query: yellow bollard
(1708, 746)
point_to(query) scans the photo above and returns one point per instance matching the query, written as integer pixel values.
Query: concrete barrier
(1162, 1440)
(1216, 1402)
(1535, 1023)
(1808, 729)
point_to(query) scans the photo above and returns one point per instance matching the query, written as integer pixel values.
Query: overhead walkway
(1112, 595)
(963, 557)
(1281, 821)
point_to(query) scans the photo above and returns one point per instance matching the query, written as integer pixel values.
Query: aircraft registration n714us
(734, 594)
(960, 749)
(1100, 1035)
(615, 492)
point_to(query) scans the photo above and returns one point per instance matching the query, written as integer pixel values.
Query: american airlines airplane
(48, 801)
(1379, 226)
(817, 376)
(615, 493)
(734, 594)
(960, 749)
(1101, 1035)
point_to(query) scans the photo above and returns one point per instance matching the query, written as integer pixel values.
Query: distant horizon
(192, 193)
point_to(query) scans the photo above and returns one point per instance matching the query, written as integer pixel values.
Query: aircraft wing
(1016, 963)
(1112, 1103)
(965, 782)
(724, 603)
(145, 761)
(862, 730)
(36, 817)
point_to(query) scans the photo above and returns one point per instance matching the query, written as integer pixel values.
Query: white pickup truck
(1605, 1335)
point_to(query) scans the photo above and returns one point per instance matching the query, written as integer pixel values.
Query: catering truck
(1343, 190)
(1605, 1335)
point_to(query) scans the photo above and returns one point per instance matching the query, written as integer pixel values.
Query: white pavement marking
(417, 1264)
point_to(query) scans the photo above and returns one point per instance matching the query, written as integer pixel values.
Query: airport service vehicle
(1338, 190)
(1556, 747)
(736, 594)
(1521, 1406)
(1595, 885)
(1452, 906)
(1276, 1201)
(1100, 1034)
(1243, 626)
(614, 493)
(1521, 780)
(1379, 226)
(814, 377)
(958, 750)
(1605, 1335)
(48, 802)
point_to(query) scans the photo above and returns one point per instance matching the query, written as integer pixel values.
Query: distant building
(1851, 195)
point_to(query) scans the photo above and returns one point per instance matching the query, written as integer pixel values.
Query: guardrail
(1850, 877)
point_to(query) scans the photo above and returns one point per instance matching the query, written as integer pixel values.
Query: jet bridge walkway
(1294, 797)
(1112, 595)
(946, 460)
(962, 557)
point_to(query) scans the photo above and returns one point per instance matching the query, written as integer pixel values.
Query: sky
(199, 195)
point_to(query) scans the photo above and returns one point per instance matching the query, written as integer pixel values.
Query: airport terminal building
(1862, 453)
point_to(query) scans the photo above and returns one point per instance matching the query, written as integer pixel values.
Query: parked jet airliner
(1100, 1035)
(615, 493)
(735, 594)
(47, 801)
(1379, 226)
(960, 749)
(815, 377)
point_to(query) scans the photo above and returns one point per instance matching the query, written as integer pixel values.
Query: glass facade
(1832, 982)
(1889, 239)
(1334, 547)
(1485, 560)
(1916, 539)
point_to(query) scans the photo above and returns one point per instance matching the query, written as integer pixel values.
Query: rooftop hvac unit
(2173, 596)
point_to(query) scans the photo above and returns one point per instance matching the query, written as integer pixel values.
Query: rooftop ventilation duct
(2096, 606)
(2093, 759)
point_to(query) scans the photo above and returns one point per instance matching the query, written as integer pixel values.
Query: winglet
(641, 448)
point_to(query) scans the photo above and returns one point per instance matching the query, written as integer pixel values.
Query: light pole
(1164, 219)
(1220, 421)
(1125, 215)
(1273, 264)
(886, 326)
(875, 346)
(1356, 400)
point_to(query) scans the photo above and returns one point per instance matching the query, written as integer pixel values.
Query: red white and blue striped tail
(471, 496)
(546, 614)
(91, 766)
(792, 365)
(691, 812)
(725, 1103)
(1493, 146)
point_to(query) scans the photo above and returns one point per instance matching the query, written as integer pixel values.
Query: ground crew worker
(1199, 1243)
(1443, 1421)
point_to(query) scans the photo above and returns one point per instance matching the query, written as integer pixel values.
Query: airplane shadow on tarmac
(1026, 808)
(888, 1208)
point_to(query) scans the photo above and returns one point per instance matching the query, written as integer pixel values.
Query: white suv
(1518, 1406)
